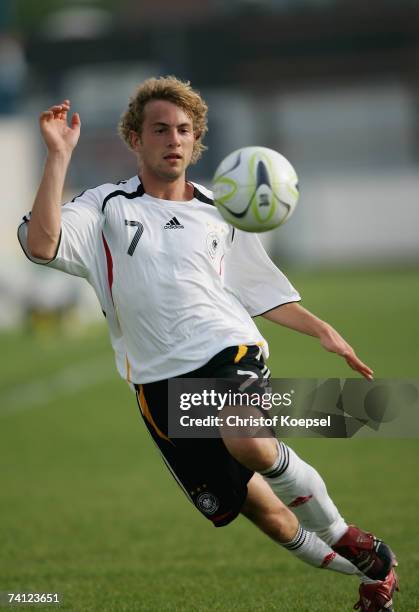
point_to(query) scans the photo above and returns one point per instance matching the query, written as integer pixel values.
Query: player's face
(167, 139)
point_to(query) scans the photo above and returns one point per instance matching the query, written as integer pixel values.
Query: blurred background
(334, 86)
(331, 84)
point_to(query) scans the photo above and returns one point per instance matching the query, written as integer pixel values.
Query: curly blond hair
(173, 90)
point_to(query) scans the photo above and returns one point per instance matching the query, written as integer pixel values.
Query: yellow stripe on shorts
(148, 416)
(241, 352)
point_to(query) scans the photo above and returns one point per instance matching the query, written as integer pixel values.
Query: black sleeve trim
(273, 308)
(33, 260)
(135, 194)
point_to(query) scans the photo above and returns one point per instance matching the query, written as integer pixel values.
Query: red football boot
(370, 555)
(378, 596)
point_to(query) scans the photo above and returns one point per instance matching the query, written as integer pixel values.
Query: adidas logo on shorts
(174, 224)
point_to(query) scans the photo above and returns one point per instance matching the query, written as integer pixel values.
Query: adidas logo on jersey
(174, 224)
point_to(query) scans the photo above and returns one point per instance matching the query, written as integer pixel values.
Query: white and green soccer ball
(255, 189)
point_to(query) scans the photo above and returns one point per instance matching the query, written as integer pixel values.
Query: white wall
(354, 218)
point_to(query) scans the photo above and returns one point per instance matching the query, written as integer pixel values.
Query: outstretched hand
(332, 341)
(60, 137)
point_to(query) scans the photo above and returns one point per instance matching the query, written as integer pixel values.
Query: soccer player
(179, 287)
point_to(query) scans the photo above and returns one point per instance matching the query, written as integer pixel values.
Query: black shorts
(210, 477)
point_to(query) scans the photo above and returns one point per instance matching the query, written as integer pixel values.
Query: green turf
(88, 510)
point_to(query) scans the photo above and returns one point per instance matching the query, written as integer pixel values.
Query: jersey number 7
(137, 235)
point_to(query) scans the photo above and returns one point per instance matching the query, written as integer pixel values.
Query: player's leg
(300, 487)
(273, 518)
(295, 482)
(267, 512)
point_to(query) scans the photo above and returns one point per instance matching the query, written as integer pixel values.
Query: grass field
(88, 510)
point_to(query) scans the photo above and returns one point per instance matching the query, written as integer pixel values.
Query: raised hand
(58, 136)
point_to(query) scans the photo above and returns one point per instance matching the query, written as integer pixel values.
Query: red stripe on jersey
(109, 264)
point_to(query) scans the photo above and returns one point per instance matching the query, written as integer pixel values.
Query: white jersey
(176, 283)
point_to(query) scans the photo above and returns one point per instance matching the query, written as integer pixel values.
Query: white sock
(308, 547)
(302, 489)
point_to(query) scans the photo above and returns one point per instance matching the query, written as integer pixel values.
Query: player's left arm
(298, 318)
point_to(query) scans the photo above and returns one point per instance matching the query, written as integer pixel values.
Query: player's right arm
(45, 221)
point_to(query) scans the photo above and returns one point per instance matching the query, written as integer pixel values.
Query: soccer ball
(255, 189)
